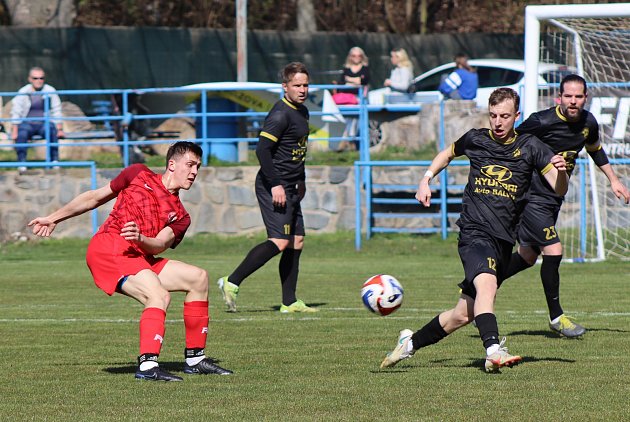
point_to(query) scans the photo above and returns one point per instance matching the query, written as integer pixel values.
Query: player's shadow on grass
(610, 330)
(480, 363)
(456, 363)
(541, 333)
(167, 366)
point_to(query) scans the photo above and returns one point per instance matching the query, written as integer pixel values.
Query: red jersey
(143, 199)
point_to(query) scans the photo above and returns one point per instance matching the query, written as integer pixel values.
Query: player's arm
(599, 157)
(618, 188)
(265, 158)
(44, 226)
(151, 245)
(556, 175)
(440, 162)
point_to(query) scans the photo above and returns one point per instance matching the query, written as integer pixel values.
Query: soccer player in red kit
(147, 219)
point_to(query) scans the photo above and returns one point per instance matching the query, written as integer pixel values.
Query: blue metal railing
(442, 200)
(202, 115)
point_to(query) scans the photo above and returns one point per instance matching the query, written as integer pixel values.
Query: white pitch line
(417, 317)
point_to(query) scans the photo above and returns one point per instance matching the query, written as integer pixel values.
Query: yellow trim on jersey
(269, 136)
(559, 114)
(547, 168)
(287, 102)
(453, 149)
(593, 148)
(508, 142)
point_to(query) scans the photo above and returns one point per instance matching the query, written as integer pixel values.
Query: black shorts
(538, 225)
(281, 223)
(481, 253)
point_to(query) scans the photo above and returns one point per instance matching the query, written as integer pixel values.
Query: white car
(493, 74)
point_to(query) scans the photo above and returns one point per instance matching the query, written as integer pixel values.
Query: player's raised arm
(44, 226)
(441, 161)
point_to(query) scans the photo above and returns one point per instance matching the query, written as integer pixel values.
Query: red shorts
(111, 258)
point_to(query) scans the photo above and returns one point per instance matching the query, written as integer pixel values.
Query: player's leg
(538, 230)
(275, 223)
(497, 355)
(182, 277)
(528, 233)
(432, 332)
(484, 258)
(550, 277)
(289, 265)
(146, 288)
(522, 259)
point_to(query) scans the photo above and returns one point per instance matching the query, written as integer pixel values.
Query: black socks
(289, 268)
(488, 329)
(516, 265)
(550, 276)
(430, 334)
(256, 258)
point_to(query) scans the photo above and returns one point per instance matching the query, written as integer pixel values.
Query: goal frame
(533, 16)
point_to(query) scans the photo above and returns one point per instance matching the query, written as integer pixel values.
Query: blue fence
(206, 116)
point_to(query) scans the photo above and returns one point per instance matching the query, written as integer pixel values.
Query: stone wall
(222, 200)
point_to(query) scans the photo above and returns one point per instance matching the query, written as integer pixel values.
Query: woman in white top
(402, 74)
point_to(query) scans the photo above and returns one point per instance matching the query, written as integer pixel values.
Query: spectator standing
(30, 104)
(402, 74)
(462, 83)
(356, 72)
(147, 219)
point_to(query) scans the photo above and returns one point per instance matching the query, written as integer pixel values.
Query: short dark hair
(291, 69)
(572, 78)
(503, 94)
(182, 147)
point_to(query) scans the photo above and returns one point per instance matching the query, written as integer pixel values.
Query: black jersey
(363, 73)
(500, 176)
(565, 138)
(286, 126)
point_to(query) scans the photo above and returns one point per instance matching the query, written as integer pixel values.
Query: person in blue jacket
(462, 83)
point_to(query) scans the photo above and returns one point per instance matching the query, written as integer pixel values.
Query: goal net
(593, 41)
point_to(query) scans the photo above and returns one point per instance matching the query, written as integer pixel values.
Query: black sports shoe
(156, 374)
(205, 367)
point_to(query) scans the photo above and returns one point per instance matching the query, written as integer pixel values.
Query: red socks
(196, 323)
(152, 327)
(152, 330)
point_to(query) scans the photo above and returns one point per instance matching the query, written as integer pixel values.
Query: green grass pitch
(68, 351)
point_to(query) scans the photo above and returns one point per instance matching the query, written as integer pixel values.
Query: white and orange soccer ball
(382, 294)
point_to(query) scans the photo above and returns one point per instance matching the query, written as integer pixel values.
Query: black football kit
(281, 151)
(498, 181)
(566, 138)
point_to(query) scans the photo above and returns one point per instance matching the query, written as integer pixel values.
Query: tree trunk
(424, 9)
(306, 16)
(50, 13)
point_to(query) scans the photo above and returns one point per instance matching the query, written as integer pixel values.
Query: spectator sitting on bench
(29, 105)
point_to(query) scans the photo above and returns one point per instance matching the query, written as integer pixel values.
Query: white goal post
(533, 16)
(594, 40)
